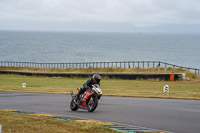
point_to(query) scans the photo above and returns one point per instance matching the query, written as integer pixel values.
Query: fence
(125, 64)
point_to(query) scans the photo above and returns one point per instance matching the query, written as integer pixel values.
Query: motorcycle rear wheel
(92, 106)
(73, 106)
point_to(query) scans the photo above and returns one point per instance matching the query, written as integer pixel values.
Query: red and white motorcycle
(88, 100)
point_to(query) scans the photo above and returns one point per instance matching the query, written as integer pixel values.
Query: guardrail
(131, 76)
(124, 64)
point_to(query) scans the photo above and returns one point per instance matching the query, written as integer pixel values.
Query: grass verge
(24, 123)
(189, 75)
(110, 87)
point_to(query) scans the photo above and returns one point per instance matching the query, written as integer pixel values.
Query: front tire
(73, 106)
(92, 104)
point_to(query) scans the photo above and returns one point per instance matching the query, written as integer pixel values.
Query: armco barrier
(130, 76)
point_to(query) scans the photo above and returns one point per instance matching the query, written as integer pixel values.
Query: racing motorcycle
(88, 100)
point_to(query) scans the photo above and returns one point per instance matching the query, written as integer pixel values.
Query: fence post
(158, 64)
(143, 64)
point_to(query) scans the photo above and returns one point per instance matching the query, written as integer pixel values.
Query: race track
(179, 116)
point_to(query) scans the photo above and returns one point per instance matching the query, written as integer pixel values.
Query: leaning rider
(94, 80)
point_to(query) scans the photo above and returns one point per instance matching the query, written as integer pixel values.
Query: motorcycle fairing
(87, 94)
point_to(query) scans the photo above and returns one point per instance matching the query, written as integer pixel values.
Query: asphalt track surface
(178, 116)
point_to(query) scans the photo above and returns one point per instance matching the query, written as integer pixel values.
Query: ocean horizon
(65, 47)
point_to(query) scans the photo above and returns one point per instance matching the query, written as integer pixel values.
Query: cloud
(136, 12)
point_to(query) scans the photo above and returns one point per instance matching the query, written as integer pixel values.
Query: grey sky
(101, 15)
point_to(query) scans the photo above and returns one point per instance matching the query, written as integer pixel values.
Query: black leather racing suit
(86, 86)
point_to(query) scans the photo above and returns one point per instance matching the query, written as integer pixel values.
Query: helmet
(96, 77)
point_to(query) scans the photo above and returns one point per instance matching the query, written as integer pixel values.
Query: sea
(76, 47)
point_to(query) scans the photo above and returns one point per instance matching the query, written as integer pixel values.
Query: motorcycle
(88, 100)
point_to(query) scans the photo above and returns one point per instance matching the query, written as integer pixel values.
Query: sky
(101, 15)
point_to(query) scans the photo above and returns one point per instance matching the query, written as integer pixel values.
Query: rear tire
(73, 106)
(92, 106)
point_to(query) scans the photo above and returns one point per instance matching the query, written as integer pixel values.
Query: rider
(94, 80)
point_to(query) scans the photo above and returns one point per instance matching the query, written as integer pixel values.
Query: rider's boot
(77, 99)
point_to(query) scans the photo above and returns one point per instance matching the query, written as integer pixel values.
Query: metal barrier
(124, 64)
(130, 76)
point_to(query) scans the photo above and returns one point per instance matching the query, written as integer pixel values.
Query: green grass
(25, 123)
(110, 87)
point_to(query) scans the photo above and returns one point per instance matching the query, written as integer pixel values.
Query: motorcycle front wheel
(92, 104)
(73, 106)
